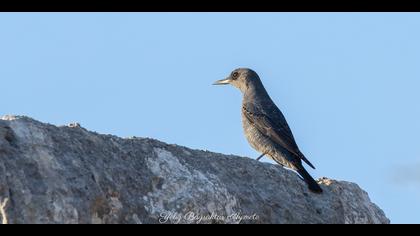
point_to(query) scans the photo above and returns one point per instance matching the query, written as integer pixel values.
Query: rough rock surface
(68, 174)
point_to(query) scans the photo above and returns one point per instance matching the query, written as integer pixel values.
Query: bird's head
(241, 78)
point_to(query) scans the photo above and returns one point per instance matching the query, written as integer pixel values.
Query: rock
(68, 174)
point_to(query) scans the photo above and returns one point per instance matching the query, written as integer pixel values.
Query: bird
(265, 126)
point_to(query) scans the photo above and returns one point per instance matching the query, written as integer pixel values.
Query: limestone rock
(68, 174)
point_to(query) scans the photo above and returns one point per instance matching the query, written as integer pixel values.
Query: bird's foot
(261, 156)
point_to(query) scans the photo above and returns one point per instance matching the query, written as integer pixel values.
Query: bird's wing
(275, 127)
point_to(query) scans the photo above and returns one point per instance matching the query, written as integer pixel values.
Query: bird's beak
(222, 82)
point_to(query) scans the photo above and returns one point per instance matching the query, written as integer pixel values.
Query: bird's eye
(235, 75)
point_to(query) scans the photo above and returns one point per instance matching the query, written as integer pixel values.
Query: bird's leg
(261, 156)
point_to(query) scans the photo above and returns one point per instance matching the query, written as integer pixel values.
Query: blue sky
(348, 84)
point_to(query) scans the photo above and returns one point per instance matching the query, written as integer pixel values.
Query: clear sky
(348, 84)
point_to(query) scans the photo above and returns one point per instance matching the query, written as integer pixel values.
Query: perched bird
(265, 127)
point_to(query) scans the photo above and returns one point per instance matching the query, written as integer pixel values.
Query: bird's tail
(312, 184)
